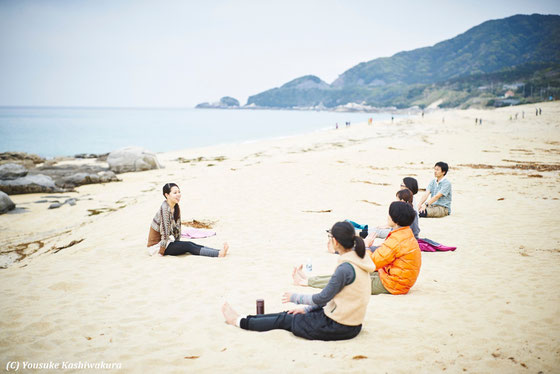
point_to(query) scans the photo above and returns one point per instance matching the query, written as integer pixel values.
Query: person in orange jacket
(397, 261)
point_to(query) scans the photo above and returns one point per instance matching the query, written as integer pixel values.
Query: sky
(171, 53)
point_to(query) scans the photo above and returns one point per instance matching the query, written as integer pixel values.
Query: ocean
(53, 132)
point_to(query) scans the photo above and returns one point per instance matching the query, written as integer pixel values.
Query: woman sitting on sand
(412, 185)
(337, 312)
(397, 260)
(165, 231)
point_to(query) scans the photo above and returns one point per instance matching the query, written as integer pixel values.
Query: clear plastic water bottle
(309, 266)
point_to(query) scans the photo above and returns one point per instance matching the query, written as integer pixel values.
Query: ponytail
(360, 247)
(345, 235)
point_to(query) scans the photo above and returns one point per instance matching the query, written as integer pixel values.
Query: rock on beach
(11, 171)
(28, 184)
(130, 159)
(6, 204)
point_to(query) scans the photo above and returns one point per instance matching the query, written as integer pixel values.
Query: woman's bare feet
(299, 277)
(223, 252)
(230, 315)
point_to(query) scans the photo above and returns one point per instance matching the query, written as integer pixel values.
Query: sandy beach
(492, 306)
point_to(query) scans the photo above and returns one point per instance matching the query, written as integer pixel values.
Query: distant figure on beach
(439, 190)
(480, 121)
(392, 118)
(422, 114)
(165, 230)
(370, 121)
(335, 313)
(397, 261)
(522, 114)
(476, 121)
(540, 112)
(536, 111)
(337, 125)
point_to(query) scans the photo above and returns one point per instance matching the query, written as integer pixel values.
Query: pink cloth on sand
(193, 233)
(431, 247)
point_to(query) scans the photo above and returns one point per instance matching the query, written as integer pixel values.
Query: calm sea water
(51, 132)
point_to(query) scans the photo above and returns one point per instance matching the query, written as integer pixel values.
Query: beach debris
(94, 212)
(521, 165)
(359, 357)
(371, 202)
(191, 357)
(202, 224)
(55, 205)
(534, 176)
(73, 242)
(501, 198)
(19, 252)
(200, 159)
(6, 204)
(88, 337)
(522, 150)
(368, 182)
(130, 159)
(317, 211)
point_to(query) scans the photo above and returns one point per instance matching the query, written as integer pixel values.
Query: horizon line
(90, 107)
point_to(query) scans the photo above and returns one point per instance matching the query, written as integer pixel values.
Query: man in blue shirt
(439, 190)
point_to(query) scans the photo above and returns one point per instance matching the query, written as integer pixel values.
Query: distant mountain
(532, 41)
(226, 102)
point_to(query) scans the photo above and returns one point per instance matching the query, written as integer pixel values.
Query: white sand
(491, 306)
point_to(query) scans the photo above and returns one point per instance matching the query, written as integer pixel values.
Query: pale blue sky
(174, 53)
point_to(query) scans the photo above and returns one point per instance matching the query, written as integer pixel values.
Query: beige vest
(348, 307)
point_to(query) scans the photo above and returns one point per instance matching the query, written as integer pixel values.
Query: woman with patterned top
(165, 231)
(335, 313)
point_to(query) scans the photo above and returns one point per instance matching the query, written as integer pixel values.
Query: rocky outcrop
(27, 159)
(226, 102)
(6, 204)
(132, 159)
(11, 171)
(68, 177)
(28, 184)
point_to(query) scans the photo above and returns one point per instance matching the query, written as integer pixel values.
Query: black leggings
(177, 248)
(313, 325)
(266, 322)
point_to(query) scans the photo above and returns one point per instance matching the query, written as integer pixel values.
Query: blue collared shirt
(443, 187)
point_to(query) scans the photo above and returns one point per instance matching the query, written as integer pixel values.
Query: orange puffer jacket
(398, 261)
